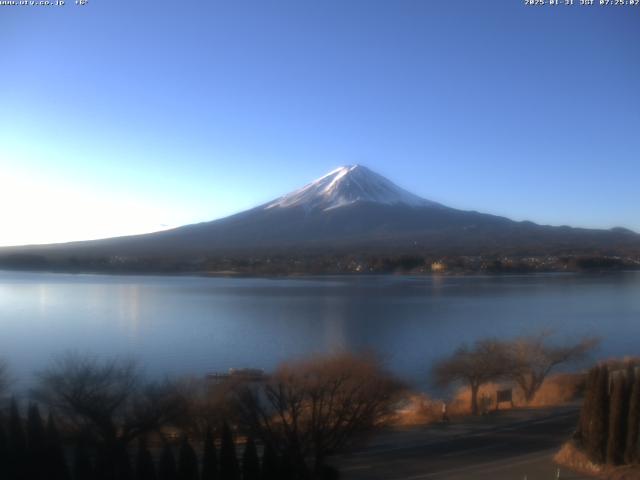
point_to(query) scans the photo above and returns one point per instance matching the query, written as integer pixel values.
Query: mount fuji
(350, 210)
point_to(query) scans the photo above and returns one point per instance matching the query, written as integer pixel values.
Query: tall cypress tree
(209, 458)
(632, 447)
(104, 468)
(596, 444)
(187, 461)
(617, 422)
(4, 449)
(270, 466)
(250, 461)
(587, 406)
(167, 469)
(123, 470)
(286, 470)
(229, 469)
(145, 468)
(82, 466)
(17, 445)
(36, 445)
(56, 461)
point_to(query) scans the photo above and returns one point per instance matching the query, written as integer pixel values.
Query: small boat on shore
(240, 374)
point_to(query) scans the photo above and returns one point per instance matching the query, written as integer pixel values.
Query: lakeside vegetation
(525, 362)
(106, 421)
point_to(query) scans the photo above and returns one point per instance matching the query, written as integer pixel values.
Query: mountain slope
(349, 210)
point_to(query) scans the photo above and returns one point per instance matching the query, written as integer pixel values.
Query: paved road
(510, 446)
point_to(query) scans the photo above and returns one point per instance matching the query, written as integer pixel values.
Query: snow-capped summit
(345, 186)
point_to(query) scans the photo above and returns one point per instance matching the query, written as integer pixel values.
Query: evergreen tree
(286, 464)
(329, 473)
(36, 435)
(187, 461)
(596, 444)
(587, 406)
(145, 468)
(17, 445)
(167, 467)
(209, 458)
(229, 469)
(104, 468)
(250, 461)
(56, 461)
(632, 447)
(36, 445)
(617, 422)
(4, 449)
(82, 467)
(122, 470)
(270, 467)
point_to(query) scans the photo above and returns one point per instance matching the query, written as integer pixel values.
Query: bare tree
(208, 404)
(107, 399)
(318, 406)
(531, 359)
(485, 361)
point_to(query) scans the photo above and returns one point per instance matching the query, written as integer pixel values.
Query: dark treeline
(105, 421)
(318, 264)
(32, 449)
(609, 426)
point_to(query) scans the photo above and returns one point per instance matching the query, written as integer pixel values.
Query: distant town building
(438, 267)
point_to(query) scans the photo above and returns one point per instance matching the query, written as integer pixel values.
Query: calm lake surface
(194, 325)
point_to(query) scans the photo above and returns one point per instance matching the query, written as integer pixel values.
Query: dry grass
(461, 403)
(559, 389)
(420, 409)
(572, 457)
(575, 459)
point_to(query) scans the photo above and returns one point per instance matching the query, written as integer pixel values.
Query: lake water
(194, 325)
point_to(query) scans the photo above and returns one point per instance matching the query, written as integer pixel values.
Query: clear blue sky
(126, 116)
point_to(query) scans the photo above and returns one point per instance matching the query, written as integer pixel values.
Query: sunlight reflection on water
(179, 325)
